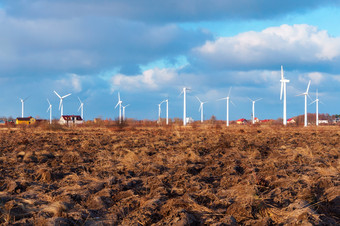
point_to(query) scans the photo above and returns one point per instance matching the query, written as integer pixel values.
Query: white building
(323, 121)
(70, 120)
(189, 120)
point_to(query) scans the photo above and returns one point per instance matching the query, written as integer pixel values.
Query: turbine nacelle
(255, 100)
(119, 101)
(49, 105)
(61, 98)
(201, 103)
(306, 93)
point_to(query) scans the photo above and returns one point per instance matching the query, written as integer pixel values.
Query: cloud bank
(153, 11)
(299, 46)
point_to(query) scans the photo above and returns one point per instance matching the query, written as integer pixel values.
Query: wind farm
(166, 112)
(185, 119)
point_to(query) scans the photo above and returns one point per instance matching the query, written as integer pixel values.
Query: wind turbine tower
(201, 108)
(305, 94)
(81, 107)
(316, 101)
(61, 106)
(253, 109)
(22, 106)
(120, 108)
(284, 91)
(184, 91)
(167, 111)
(49, 109)
(124, 111)
(159, 112)
(228, 99)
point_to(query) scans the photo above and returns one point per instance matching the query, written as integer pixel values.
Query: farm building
(189, 120)
(25, 121)
(241, 121)
(266, 120)
(70, 120)
(323, 121)
(291, 120)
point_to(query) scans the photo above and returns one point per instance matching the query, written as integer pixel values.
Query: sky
(149, 50)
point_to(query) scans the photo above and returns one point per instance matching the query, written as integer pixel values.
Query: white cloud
(316, 77)
(70, 82)
(336, 78)
(293, 45)
(152, 79)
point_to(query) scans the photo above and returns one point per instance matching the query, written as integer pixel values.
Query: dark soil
(170, 176)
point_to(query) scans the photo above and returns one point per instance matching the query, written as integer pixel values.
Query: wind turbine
(159, 111)
(61, 106)
(253, 109)
(82, 108)
(317, 108)
(228, 99)
(284, 90)
(124, 111)
(49, 109)
(22, 106)
(305, 94)
(167, 111)
(201, 108)
(120, 108)
(184, 91)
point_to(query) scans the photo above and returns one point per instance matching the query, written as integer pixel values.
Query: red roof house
(241, 121)
(70, 120)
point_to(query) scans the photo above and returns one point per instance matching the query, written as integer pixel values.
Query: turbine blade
(229, 91)
(309, 97)
(302, 94)
(232, 103)
(281, 91)
(48, 108)
(198, 99)
(117, 104)
(312, 102)
(308, 86)
(66, 95)
(118, 97)
(26, 98)
(224, 98)
(60, 103)
(79, 107)
(57, 94)
(48, 102)
(79, 100)
(250, 99)
(258, 99)
(282, 77)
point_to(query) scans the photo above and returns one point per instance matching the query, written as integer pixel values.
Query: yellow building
(25, 121)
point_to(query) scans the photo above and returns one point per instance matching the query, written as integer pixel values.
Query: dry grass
(201, 174)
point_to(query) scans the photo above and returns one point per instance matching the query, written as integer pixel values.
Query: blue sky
(148, 50)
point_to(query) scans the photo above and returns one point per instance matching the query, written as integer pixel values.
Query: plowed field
(170, 176)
